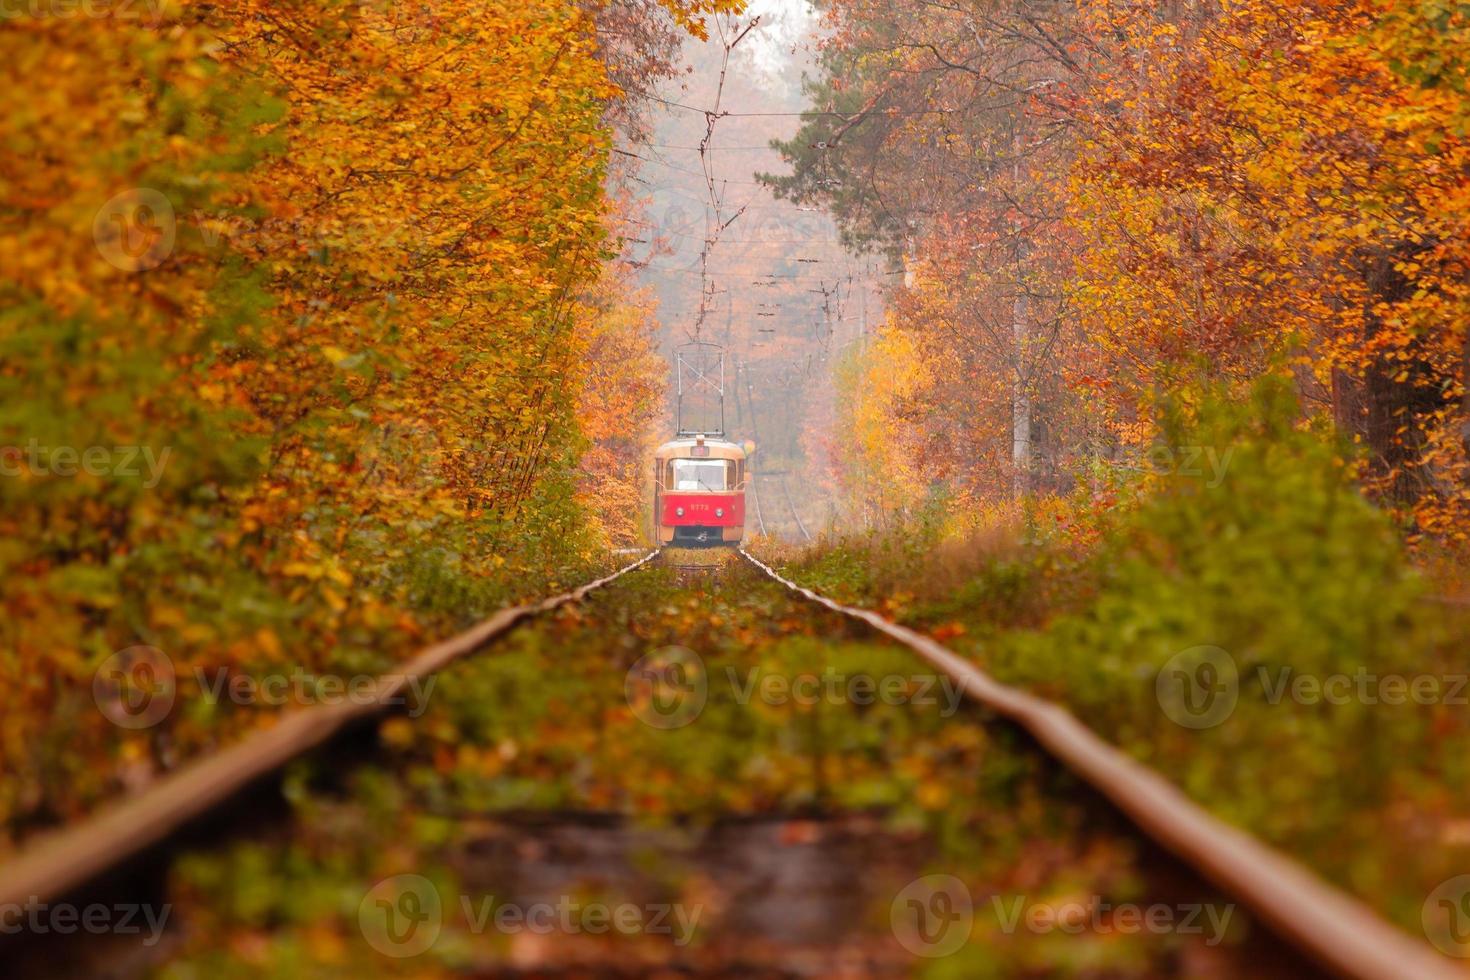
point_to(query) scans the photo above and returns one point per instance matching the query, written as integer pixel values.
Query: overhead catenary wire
(803, 113)
(685, 146)
(717, 223)
(686, 170)
(754, 274)
(818, 322)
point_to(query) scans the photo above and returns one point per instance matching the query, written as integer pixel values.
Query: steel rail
(786, 490)
(66, 858)
(1328, 925)
(756, 499)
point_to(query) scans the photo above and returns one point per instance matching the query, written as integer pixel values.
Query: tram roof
(719, 448)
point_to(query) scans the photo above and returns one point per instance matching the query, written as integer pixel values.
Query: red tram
(699, 492)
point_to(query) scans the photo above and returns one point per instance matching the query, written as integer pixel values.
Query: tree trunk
(1465, 389)
(1021, 333)
(1020, 396)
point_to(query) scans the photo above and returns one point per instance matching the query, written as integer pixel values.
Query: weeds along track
(63, 860)
(798, 822)
(1332, 928)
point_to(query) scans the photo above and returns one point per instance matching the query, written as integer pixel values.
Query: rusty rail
(755, 498)
(1328, 925)
(71, 856)
(786, 490)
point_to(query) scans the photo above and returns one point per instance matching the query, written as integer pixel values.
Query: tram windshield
(701, 474)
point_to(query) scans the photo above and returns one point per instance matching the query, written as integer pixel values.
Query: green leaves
(329, 268)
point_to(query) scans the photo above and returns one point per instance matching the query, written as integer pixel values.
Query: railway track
(1328, 927)
(1331, 927)
(66, 859)
(755, 500)
(791, 504)
(794, 520)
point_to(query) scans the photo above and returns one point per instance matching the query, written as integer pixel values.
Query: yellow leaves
(267, 641)
(397, 732)
(165, 617)
(384, 226)
(689, 14)
(933, 794)
(317, 571)
(198, 633)
(1311, 149)
(873, 390)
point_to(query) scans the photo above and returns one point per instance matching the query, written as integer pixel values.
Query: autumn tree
(333, 267)
(1159, 196)
(931, 140)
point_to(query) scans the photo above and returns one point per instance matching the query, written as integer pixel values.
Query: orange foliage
(309, 287)
(1108, 202)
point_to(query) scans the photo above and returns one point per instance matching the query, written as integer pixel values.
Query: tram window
(701, 474)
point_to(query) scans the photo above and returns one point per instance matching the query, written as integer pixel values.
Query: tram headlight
(678, 511)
